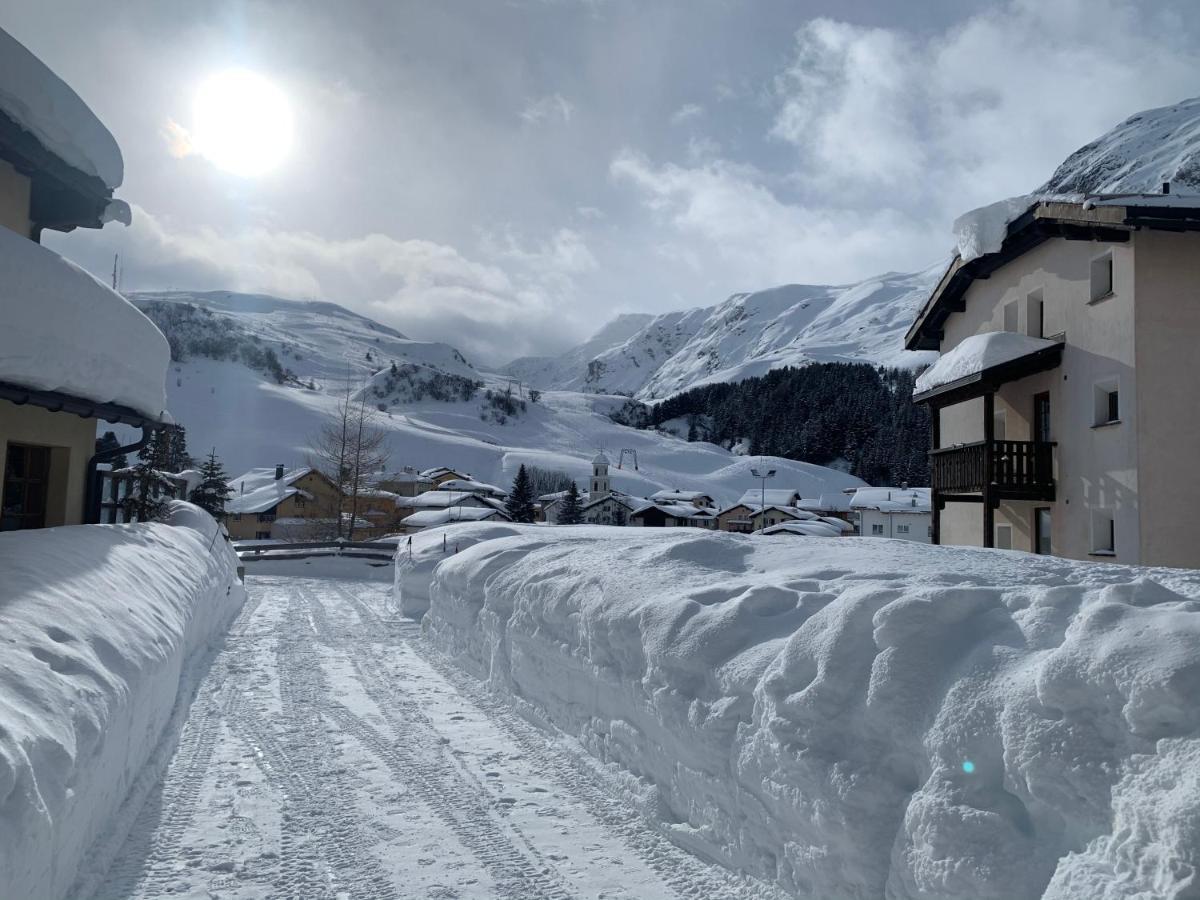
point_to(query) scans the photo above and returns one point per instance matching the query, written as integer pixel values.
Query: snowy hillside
(437, 409)
(568, 372)
(1138, 156)
(749, 334)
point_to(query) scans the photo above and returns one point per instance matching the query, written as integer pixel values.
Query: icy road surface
(330, 753)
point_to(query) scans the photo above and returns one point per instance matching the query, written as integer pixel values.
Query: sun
(242, 123)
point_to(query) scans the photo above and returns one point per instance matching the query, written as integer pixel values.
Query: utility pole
(116, 257)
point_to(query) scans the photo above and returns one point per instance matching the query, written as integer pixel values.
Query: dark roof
(87, 409)
(988, 380)
(1097, 219)
(61, 196)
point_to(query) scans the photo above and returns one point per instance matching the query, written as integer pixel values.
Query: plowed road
(330, 753)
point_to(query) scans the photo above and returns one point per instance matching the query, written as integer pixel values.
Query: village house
(473, 487)
(1060, 403)
(435, 518)
(72, 351)
(694, 498)
(672, 515)
(439, 474)
(903, 513)
(406, 482)
(274, 503)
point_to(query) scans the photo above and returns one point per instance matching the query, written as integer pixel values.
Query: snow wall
(103, 627)
(857, 717)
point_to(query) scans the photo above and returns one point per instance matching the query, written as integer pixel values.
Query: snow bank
(419, 554)
(65, 331)
(45, 106)
(976, 353)
(100, 625)
(859, 718)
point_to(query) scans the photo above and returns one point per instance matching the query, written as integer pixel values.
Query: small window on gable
(902, 529)
(1035, 323)
(1011, 311)
(876, 528)
(1107, 409)
(1102, 276)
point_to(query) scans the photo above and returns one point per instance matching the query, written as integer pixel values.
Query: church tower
(600, 487)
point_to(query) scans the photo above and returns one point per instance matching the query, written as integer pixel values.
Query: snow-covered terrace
(66, 333)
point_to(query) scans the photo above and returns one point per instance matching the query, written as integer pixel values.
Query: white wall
(918, 525)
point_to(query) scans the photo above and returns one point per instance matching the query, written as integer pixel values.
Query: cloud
(427, 290)
(552, 106)
(895, 134)
(686, 112)
(178, 139)
(980, 111)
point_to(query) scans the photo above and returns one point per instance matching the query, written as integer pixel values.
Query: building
(303, 498)
(829, 505)
(406, 482)
(804, 528)
(903, 513)
(694, 498)
(672, 515)
(1062, 404)
(473, 487)
(437, 475)
(435, 518)
(72, 351)
(757, 497)
(611, 508)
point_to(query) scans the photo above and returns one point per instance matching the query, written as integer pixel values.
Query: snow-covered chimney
(279, 472)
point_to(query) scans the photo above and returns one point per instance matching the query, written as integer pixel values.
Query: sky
(508, 176)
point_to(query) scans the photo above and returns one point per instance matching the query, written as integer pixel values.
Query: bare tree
(368, 454)
(331, 452)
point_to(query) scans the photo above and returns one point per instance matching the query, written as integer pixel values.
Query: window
(237, 517)
(1104, 533)
(266, 517)
(1035, 323)
(1041, 416)
(1010, 316)
(901, 529)
(262, 535)
(1041, 530)
(1102, 277)
(876, 528)
(1107, 401)
(1003, 537)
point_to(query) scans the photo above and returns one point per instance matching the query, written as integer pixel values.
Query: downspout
(92, 499)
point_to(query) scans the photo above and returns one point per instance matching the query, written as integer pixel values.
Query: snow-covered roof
(45, 106)
(825, 503)
(693, 497)
(600, 460)
(772, 496)
(978, 353)
(803, 529)
(471, 486)
(259, 490)
(887, 499)
(64, 331)
(430, 518)
(678, 510)
(438, 471)
(636, 504)
(441, 499)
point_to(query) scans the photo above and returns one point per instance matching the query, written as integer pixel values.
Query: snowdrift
(101, 625)
(858, 718)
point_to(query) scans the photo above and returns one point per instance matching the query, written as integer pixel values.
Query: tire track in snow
(417, 759)
(687, 875)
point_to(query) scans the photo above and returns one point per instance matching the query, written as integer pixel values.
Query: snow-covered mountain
(436, 408)
(569, 370)
(1137, 156)
(746, 335)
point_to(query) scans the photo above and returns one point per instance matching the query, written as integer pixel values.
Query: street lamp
(763, 475)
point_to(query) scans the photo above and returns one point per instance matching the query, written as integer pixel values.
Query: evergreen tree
(212, 492)
(149, 492)
(108, 441)
(168, 450)
(520, 499)
(572, 510)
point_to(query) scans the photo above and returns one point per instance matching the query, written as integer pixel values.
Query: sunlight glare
(243, 122)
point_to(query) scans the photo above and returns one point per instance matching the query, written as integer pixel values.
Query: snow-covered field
(856, 718)
(105, 629)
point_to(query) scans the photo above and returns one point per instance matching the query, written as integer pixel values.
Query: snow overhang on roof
(67, 335)
(47, 131)
(983, 362)
(995, 235)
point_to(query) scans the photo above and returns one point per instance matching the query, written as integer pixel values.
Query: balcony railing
(1020, 470)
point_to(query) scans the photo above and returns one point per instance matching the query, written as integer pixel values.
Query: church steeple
(600, 486)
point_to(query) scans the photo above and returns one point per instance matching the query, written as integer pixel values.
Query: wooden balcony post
(935, 442)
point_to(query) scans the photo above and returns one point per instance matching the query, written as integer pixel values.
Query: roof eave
(988, 380)
(55, 401)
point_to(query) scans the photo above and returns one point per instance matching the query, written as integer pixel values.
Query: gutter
(91, 497)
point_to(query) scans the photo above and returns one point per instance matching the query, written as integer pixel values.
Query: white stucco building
(903, 513)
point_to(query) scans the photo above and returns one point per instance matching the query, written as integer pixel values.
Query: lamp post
(762, 475)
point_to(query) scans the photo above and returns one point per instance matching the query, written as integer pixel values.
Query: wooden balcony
(1014, 470)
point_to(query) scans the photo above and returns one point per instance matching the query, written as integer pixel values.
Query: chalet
(672, 515)
(830, 505)
(746, 518)
(437, 499)
(612, 508)
(437, 475)
(72, 351)
(304, 498)
(1062, 403)
(902, 513)
(406, 482)
(695, 498)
